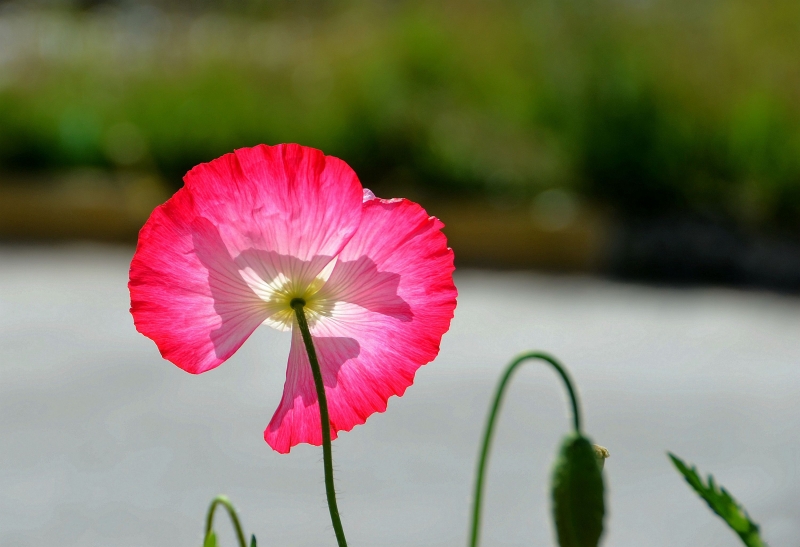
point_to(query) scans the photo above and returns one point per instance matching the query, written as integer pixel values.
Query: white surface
(104, 443)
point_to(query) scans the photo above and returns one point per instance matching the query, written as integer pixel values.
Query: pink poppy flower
(256, 228)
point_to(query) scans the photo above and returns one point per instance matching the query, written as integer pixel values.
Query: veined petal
(393, 297)
(186, 292)
(254, 223)
(299, 407)
(288, 199)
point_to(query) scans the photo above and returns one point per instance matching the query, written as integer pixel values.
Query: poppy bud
(577, 487)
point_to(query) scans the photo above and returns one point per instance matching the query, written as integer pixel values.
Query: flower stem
(325, 422)
(223, 500)
(489, 432)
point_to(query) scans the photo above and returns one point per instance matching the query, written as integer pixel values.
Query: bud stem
(223, 500)
(489, 432)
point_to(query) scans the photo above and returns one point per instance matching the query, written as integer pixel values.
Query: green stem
(223, 500)
(489, 432)
(325, 422)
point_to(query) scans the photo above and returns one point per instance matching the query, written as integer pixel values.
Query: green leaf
(211, 540)
(722, 503)
(577, 488)
(253, 541)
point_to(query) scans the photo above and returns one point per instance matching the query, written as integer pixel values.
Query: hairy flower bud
(577, 489)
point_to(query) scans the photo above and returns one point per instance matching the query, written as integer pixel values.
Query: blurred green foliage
(645, 105)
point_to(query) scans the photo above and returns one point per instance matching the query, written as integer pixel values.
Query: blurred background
(645, 151)
(637, 138)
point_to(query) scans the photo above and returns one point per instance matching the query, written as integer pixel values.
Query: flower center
(282, 293)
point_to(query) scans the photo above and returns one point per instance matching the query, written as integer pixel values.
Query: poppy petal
(290, 200)
(250, 216)
(392, 297)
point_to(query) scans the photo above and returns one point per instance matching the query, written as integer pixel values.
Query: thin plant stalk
(325, 423)
(490, 424)
(225, 502)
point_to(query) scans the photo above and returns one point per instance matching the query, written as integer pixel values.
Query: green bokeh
(645, 107)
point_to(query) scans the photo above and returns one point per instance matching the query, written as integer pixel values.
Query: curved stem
(489, 432)
(223, 500)
(325, 422)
